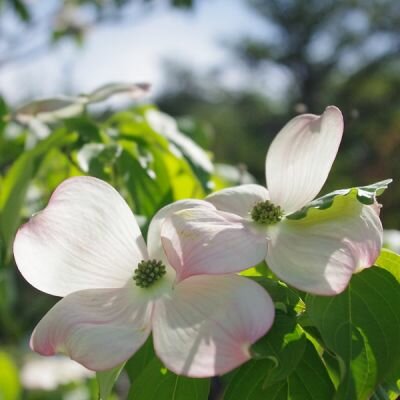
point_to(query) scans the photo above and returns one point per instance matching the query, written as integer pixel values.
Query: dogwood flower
(317, 253)
(86, 245)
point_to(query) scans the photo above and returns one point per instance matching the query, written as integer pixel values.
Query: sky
(135, 51)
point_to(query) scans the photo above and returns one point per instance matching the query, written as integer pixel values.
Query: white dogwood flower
(317, 253)
(86, 245)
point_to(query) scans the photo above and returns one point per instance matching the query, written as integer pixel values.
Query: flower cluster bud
(148, 272)
(266, 213)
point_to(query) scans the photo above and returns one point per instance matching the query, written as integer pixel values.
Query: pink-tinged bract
(86, 244)
(317, 253)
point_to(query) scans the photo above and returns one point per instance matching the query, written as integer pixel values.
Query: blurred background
(232, 72)
(241, 67)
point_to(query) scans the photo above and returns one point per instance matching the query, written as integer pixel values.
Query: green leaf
(98, 159)
(3, 114)
(87, 130)
(157, 383)
(145, 178)
(16, 182)
(22, 10)
(308, 381)
(362, 327)
(106, 380)
(286, 299)
(136, 364)
(13, 192)
(390, 261)
(364, 194)
(182, 3)
(386, 393)
(198, 159)
(283, 346)
(9, 382)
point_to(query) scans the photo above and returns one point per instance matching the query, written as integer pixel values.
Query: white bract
(317, 253)
(86, 245)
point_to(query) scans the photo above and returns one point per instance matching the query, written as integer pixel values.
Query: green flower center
(266, 213)
(148, 272)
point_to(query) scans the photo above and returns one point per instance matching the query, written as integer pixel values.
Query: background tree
(345, 53)
(48, 24)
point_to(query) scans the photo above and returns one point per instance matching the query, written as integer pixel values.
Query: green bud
(148, 272)
(266, 213)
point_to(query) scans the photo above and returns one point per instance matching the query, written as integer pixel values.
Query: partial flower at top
(86, 245)
(317, 253)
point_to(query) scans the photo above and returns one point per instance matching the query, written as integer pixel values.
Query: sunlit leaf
(364, 194)
(12, 196)
(390, 261)
(16, 182)
(9, 382)
(167, 126)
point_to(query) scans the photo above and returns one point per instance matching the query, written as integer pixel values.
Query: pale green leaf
(364, 194)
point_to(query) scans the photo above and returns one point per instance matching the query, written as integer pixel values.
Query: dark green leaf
(87, 130)
(286, 299)
(182, 3)
(362, 327)
(3, 114)
(157, 383)
(22, 10)
(136, 364)
(283, 346)
(308, 381)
